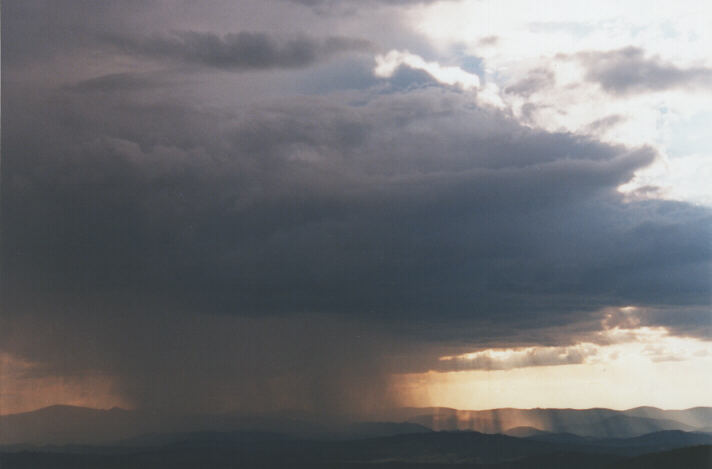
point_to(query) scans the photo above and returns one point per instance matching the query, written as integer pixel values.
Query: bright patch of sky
(642, 366)
(620, 384)
(625, 364)
(541, 49)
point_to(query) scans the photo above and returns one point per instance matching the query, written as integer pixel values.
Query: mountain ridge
(62, 424)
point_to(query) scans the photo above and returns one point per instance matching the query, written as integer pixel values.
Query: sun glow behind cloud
(625, 368)
(515, 40)
(654, 343)
(386, 65)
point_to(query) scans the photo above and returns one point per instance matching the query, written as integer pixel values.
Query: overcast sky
(343, 205)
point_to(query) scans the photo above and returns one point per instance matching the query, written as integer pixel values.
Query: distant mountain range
(62, 425)
(60, 437)
(587, 422)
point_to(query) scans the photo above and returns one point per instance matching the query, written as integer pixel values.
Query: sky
(343, 206)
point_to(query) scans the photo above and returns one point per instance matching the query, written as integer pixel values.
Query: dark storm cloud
(201, 254)
(77, 32)
(412, 222)
(351, 211)
(628, 70)
(238, 51)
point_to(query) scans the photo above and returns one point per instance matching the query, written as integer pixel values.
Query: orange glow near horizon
(620, 368)
(20, 391)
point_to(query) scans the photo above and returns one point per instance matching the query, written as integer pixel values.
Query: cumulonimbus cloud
(200, 252)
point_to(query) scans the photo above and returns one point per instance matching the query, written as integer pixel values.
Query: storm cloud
(211, 253)
(424, 217)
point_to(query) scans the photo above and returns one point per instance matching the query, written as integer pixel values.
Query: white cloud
(387, 64)
(516, 37)
(682, 178)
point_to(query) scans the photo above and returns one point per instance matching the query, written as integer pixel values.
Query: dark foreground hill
(695, 457)
(427, 450)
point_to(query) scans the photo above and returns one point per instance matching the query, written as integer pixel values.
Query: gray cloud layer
(238, 51)
(628, 70)
(536, 80)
